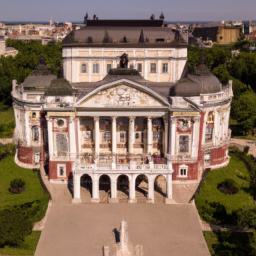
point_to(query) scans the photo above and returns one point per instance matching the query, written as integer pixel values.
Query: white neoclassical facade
(127, 115)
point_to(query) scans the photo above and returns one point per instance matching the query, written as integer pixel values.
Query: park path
(241, 143)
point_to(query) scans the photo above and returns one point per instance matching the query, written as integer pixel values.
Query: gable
(121, 95)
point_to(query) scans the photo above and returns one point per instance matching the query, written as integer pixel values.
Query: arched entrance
(104, 188)
(86, 188)
(123, 188)
(160, 189)
(141, 187)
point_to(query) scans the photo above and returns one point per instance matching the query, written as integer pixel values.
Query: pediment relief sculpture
(121, 96)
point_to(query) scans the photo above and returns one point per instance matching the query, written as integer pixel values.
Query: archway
(160, 189)
(123, 188)
(86, 188)
(141, 187)
(104, 188)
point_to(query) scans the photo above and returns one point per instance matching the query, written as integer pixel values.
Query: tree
(244, 111)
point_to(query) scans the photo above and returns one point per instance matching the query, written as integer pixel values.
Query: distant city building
(127, 110)
(37, 32)
(6, 51)
(221, 34)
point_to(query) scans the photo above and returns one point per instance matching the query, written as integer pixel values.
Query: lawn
(27, 248)
(229, 244)
(209, 192)
(7, 122)
(33, 191)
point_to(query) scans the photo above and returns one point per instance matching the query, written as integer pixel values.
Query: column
(169, 199)
(27, 128)
(195, 137)
(95, 189)
(151, 181)
(149, 136)
(50, 137)
(132, 191)
(97, 136)
(131, 134)
(113, 142)
(72, 137)
(172, 136)
(165, 141)
(76, 188)
(113, 198)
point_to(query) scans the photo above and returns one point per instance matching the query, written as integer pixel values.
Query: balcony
(88, 164)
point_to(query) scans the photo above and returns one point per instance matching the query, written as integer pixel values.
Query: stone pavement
(82, 230)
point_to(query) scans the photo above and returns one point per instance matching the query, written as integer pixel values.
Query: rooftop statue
(124, 61)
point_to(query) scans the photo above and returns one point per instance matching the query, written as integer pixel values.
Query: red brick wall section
(25, 155)
(218, 155)
(53, 169)
(192, 171)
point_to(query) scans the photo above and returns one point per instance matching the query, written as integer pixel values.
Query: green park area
(19, 211)
(226, 198)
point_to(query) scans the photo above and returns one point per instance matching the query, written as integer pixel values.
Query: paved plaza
(82, 230)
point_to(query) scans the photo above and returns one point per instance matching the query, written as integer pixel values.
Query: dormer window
(160, 40)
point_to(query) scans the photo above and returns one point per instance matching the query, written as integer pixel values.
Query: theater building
(126, 109)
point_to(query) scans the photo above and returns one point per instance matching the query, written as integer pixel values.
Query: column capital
(132, 118)
(96, 118)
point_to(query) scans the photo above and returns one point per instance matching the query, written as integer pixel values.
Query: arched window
(35, 133)
(209, 127)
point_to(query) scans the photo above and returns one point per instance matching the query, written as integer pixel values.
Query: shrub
(17, 186)
(14, 227)
(228, 186)
(246, 218)
(6, 150)
(214, 212)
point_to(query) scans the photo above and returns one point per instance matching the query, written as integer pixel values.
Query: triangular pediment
(122, 95)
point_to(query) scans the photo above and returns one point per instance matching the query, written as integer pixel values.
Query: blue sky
(74, 10)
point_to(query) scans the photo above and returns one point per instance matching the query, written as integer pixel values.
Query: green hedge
(16, 223)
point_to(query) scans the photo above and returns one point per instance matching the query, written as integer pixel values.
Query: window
(208, 133)
(83, 68)
(109, 66)
(139, 67)
(37, 158)
(60, 122)
(152, 67)
(165, 68)
(107, 136)
(61, 170)
(210, 118)
(62, 144)
(184, 144)
(156, 136)
(35, 134)
(122, 138)
(139, 137)
(96, 68)
(209, 127)
(183, 171)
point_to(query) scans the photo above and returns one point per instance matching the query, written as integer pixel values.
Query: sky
(174, 10)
